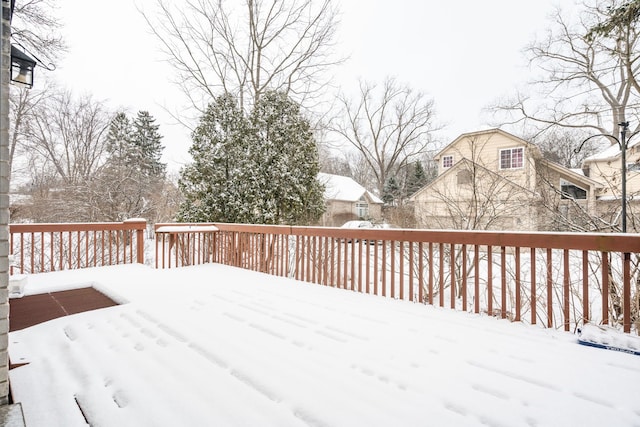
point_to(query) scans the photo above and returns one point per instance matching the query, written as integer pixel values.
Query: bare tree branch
(247, 49)
(390, 125)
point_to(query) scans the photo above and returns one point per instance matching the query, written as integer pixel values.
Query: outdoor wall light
(22, 66)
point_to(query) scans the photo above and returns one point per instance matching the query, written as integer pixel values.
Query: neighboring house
(605, 167)
(346, 200)
(494, 180)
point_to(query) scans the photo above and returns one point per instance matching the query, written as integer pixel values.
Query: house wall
(556, 213)
(608, 173)
(467, 197)
(339, 211)
(477, 193)
(484, 149)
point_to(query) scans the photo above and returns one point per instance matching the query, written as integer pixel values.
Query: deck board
(34, 309)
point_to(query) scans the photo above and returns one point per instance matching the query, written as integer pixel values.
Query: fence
(559, 280)
(37, 248)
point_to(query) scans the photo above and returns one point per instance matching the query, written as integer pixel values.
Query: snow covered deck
(216, 345)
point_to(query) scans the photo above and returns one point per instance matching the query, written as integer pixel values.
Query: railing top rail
(160, 226)
(77, 226)
(603, 242)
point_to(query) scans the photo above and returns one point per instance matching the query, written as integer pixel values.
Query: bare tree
(22, 108)
(559, 146)
(390, 125)
(587, 79)
(68, 133)
(36, 28)
(246, 49)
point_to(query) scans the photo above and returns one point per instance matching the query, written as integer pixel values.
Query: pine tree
(257, 169)
(119, 138)
(391, 192)
(132, 174)
(416, 179)
(217, 186)
(289, 190)
(147, 140)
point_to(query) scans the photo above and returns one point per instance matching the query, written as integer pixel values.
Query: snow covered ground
(212, 345)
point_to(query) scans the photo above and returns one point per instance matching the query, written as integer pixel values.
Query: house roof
(609, 153)
(573, 174)
(484, 132)
(338, 187)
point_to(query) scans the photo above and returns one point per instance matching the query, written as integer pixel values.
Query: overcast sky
(464, 54)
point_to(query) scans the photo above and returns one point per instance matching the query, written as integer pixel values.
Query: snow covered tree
(133, 173)
(260, 168)
(288, 162)
(217, 186)
(119, 139)
(147, 140)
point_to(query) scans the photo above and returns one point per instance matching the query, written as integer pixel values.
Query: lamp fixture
(22, 66)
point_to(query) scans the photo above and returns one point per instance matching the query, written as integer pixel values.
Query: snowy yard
(212, 345)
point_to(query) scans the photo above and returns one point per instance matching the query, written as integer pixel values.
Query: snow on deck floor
(216, 346)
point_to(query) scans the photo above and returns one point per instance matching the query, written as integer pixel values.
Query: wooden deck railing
(559, 280)
(179, 245)
(38, 248)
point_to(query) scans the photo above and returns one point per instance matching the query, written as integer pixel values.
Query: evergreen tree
(257, 169)
(217, 186)
(416, 179)
(147, 141)
(132, 175)
(119, 145)
(288, 168)
(391, 192)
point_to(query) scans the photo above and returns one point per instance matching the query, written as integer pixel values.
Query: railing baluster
(42, 251)
(452, 268)
(626, 292)
(421, 273)
(375, 267)
(410, 271)
(464, 277)
(503, 282)
(534, 291)
(565, 290)
(441, 276)
(33, 253)
(476, 278)
(518, 284)
(392, 245)
(21, 253)
(549, 289)
(360, 265)
(383, 268)
(368, 266)
(431, 273)
(490, 280)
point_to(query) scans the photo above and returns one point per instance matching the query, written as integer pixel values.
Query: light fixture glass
(22, 67)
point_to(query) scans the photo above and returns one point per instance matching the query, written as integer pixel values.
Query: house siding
(484, 149)
(475, 193)
(339, 211)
